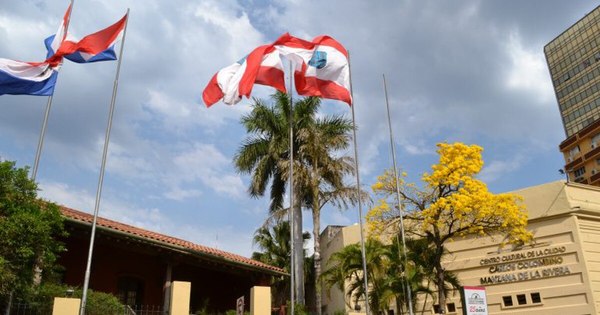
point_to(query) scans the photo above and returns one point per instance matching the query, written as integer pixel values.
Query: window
(595, 140)
(579, 172)
(437, 309)
(536, 298)
(451, 308)
(521, 299)
(130, 291)
(507, 300)
(574, 151)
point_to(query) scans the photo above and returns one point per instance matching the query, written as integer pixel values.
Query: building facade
(558, 273)
(138, 266)
(574, 64)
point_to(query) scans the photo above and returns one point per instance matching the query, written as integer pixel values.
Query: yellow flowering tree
(451, 204)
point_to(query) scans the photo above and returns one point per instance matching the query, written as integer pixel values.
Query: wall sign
(533, 264)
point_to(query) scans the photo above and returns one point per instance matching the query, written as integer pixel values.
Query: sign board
(240, 306)
(474, 301)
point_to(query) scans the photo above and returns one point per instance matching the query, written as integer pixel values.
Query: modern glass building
(574, 63)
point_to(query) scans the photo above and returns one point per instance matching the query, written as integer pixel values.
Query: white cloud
(204, 162)
(234, 23)
(497, 169)
(226, 237)
(528, 71)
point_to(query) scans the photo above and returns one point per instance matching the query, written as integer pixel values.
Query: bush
(98, 303)
(299, 309)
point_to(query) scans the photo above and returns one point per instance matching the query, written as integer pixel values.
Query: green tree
(29, 228)
(274, 245)
(452, 204)
(344, 271)
(322, 177)
(387, 271)
(318, 171)
(265, 154)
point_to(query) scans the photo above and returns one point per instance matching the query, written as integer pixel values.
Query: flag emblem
(318, 60)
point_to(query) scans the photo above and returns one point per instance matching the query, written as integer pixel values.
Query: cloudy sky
(470, 71)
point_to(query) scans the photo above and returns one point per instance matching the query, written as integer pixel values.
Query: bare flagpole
(292, 210)
(408, 289)
(358, 192)
(38, 152)
(102, 169)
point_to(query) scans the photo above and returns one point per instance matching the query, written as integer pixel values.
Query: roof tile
(150, 235)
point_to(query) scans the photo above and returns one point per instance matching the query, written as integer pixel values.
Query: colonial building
(138, 266)
(559, 273)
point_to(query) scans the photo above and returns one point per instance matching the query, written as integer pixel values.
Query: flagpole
(38, 152)
(292, 209)
(358, 194)
(102, 169)
(408, 289)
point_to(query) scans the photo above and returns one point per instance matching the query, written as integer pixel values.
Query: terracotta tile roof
(83, 217)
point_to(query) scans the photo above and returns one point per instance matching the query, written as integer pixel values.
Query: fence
(20, 308)
(143, 310)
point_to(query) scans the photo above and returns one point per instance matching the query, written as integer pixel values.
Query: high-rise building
(574, 63)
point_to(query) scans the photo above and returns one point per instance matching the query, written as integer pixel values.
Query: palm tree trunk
(399, 308)
(316, 216)
(317, 241)
(9, 303)
(298, 252)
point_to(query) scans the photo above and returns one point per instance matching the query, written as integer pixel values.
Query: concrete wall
(333, 239)
(590, 243)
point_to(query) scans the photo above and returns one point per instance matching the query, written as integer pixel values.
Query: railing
(19, 308)
(143, 310)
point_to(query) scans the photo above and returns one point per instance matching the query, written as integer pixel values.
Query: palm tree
(345, 271)
(421, 253)
(318, 172)
(322, 177)
(274, 243)
(399, 274)
(387, 271)
(265, 154)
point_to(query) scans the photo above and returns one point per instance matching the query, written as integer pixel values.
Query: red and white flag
(321, 69)
(262, 66)
(321, 66)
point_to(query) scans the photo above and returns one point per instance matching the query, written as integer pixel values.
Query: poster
(474, 301)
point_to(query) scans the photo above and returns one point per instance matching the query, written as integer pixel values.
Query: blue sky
(470, 71)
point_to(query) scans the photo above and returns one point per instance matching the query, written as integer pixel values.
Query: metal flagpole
(38, 152)
(408, 289)
(358, 192)
(102, 168)
(292, 221)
